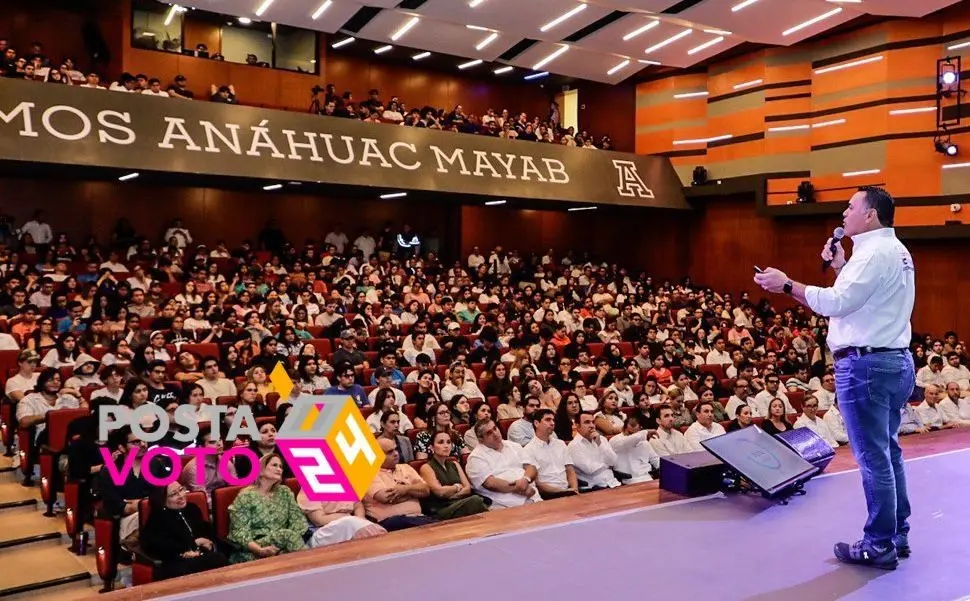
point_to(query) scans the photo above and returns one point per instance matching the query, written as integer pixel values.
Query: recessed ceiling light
(536, 76)
(491, 38)
(316, 14)
(125, 178)
(477, 28)
(245, 20)
(748, 84)
(691, 95)
(618, 67)
(495, 203)
(263, 7)
(559, 52)
(272, 187)
(640, 30)
(404, 29)
(382, 49)
(394, 195)
(568, 14)
(864, 61)
(705, 45)
(343, 42)
(470, 64)
(669, 41)
(813, 21)
(574, 209)
(742, 5)
(502, 70)
(863, 172)
(420, 56)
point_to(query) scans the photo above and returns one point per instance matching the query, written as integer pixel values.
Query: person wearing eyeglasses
(810, 419)
(178, 536)
(826, 393)
(347, 386)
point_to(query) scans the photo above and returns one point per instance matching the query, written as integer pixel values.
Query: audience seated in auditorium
(931, 411)
(636, 459)
(556, 476)
(178, 536)
(810, 419)
(121, 501)
(265, 519)
(704, 427)
(592, 456)
(500, 470)
(931, 374)
(743, 419)
(910, 421)
(335, 522)
(451, 493)
(522, 430)
(209, 477)
(394, 497)
(742, 396)
(776, 422)
(956, 372)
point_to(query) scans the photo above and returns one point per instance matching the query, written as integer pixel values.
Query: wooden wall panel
(606, 109)
(196, 31)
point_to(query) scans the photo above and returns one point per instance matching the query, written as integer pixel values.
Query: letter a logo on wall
(630, 182)
(330, 448)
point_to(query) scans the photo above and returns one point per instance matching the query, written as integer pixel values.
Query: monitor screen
(760, 457)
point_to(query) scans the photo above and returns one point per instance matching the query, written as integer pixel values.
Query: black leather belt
(861, 351)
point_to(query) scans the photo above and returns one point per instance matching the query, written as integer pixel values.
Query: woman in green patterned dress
(265, 519)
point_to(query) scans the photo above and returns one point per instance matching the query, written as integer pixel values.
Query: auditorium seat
(143, 570)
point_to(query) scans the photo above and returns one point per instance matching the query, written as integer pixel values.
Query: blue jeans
(871, 392)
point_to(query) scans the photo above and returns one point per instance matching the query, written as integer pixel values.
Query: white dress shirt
(734, 402)
(635, 456)
(960, 375)
(550, 459)
(933, 417)
(926, 376)
(670, 443)
(836, 424)
(872, 300)
(950, 410)
(507, 464)
(594, 462)
(35, 404)
(521, 431)
(716, 357)
(469, 389)
(825, 399)
(818, 426)
(696, 433)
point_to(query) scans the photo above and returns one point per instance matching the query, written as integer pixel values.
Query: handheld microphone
(837, 235)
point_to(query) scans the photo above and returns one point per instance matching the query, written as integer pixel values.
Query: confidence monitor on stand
(763, 462)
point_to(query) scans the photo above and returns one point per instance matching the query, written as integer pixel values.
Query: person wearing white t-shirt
(930, 411)
(8, 342)
(954, 371)
(951, 404)
(826, 394)
(704, 426)
(810, 419)
(742, 396)
(772, 391)
(500, 470)
(592, 455)
(669, 440)
(718, 356)
(337, 238)
(556, 476)
(634, 455)
(25, 380)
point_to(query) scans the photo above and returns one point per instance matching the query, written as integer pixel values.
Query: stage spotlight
(699, 177)
(945, 146)
(806, 192)
(948, 77)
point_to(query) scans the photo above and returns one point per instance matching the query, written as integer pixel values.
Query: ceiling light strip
(865, 61)
(263, 7)
(958, 46)
(567, 15)
(272, 187)
(559, 52)
(420, 56)
(323, 7)
(477, 27)
(956, 165)
(475, 3)
(574, 209)
(742, 5)
(863, 172)
(491, 38)
(130, 176)
(749, 84)
(502, 70)
(495, 203)
(669, 41)
(394, 195)
(382, 49)
(536, 76)
(343, 42)
(404, 29)
(618, 67)
(705, 45)
(470, 64)
(640, 30)
(813, 21)
(789, 128)
(702, 140)
(913, 111)
(691, 95)
(828, 123)
(171, 14)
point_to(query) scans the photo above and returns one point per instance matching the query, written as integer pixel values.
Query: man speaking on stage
(869, 307)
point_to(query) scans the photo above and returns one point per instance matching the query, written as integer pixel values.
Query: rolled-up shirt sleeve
(855, 284)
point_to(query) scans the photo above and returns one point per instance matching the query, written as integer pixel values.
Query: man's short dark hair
(880, 200)
(936, 359)
(541, 413)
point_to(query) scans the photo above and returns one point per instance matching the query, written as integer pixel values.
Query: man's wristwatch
(787, 288)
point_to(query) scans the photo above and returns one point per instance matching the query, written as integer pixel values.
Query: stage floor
(715, 548)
